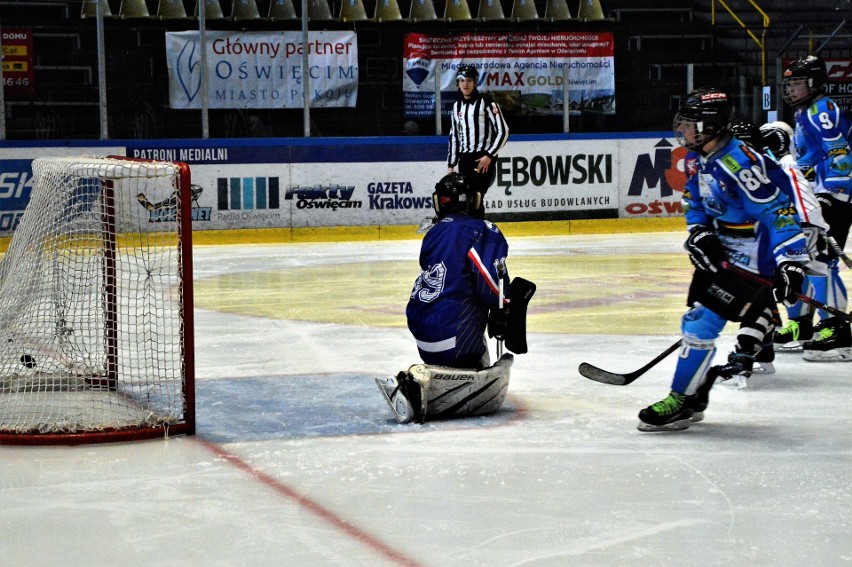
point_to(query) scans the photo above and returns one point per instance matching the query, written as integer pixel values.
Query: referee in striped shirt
(477, 132)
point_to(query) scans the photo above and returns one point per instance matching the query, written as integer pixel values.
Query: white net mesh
(92, 333)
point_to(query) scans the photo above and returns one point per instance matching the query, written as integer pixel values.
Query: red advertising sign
(18, 72)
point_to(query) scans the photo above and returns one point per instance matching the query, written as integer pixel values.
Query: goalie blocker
(516, 336)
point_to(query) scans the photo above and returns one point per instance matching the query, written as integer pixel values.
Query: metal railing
(761, 42)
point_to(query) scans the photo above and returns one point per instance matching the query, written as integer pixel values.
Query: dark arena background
(652, 48)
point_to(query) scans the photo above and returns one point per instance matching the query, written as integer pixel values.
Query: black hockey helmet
(465, 71)
(744, 130)
(453, 194)
(811, 70)
(777, 138)
(702, 117)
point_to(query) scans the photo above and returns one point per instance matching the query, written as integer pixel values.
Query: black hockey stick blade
(606, 377)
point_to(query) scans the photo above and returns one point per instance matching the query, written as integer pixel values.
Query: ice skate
(671, 414)
(737, 371)
(791, 337)
(698, 403)
(833, 343)
(763, 360)
(392, 393)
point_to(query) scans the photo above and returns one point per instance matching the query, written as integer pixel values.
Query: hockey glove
(705, 249)
(498, 323)
(825, 202)
(789, 278)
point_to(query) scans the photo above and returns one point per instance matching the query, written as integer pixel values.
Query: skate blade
(738, 382)
(673, 426)
(390, 392)
(763, 368)
(794, 346)
(833, 355)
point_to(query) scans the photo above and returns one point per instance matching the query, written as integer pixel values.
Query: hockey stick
(606, 377)
(804, 298)
(501, 272)
(501, 296)
(839, 251)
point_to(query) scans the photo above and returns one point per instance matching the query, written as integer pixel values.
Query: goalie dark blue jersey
(447, 313)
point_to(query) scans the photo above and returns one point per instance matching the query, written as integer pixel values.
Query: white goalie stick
(617, 379)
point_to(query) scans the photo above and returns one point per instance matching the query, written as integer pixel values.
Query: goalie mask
(702, 117)
(453, 194)
(804, 80)
(778, 138)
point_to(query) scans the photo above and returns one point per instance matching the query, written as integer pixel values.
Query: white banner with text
(263, 69)
(522, 71)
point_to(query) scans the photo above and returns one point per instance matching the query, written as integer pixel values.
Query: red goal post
(96, 311)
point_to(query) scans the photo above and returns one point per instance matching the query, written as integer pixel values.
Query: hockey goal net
(96, 335)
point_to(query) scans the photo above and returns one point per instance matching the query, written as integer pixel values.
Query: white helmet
(778, 139)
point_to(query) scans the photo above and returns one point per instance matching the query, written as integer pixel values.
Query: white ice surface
(297, 461)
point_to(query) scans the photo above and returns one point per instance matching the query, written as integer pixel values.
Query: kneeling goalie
(458, 294)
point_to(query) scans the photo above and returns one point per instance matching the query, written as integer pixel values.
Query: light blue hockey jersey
(822, 142)
(744, 196)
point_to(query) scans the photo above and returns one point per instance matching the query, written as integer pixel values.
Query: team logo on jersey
(690, 166)
(731, 163)
(747, 151)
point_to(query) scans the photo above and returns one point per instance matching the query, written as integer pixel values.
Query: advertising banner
(255, 184)
(522, 71)
(652, 178)
(556, 181)
(263, 69)
(839, 84)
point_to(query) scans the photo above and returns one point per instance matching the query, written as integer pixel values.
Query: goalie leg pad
(452, 392)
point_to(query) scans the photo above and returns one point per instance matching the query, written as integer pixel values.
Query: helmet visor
(688, 131)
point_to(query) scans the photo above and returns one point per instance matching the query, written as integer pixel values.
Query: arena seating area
(653, 46)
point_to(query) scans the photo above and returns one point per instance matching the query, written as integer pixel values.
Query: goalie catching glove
(789, 278)
(705, 249)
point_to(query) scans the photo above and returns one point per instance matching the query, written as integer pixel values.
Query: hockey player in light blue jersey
(736, 212)
(822, 141)
(775, 139)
